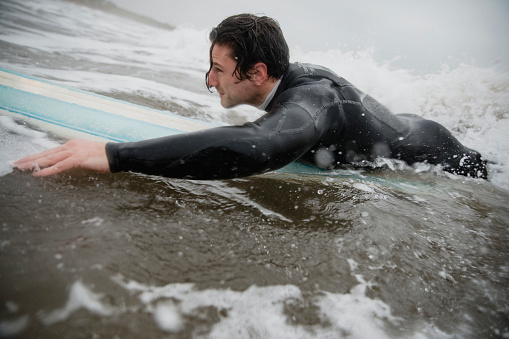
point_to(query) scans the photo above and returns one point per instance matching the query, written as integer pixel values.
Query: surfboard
(72, 113)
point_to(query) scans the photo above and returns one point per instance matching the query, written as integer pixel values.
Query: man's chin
(228, 104)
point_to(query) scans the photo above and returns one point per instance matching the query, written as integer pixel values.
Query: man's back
(353, 128)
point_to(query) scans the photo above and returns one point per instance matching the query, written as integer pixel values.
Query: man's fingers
(42, 160)
(61, 166)
(33, 157)
(73, 154)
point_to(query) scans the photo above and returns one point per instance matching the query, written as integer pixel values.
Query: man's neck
(270, 91)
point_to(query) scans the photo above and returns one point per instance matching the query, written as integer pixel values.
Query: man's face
(232, 91)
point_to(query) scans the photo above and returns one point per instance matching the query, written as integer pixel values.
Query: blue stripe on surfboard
(79, 118)
(49, 82)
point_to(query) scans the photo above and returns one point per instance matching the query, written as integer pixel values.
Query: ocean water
(406, 252)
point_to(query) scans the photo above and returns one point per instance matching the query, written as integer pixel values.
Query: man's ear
(259, 75)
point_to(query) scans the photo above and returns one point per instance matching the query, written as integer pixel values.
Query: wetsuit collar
(289, 76)
(270, 96)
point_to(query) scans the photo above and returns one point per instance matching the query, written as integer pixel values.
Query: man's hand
(85, 154)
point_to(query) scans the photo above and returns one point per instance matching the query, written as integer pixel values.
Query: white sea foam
(168, 317)
(257, 312)
(363, 187)
(261, 312)
(17, 141)
(80, 297)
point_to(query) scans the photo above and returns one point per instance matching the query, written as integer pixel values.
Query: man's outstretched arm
(84, 154)
(267, 144)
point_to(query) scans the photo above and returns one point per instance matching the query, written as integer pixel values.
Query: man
(312, 115)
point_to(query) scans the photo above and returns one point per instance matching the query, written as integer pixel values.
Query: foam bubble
(167, 317)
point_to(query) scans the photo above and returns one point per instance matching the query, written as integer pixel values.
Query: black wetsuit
(316, 117)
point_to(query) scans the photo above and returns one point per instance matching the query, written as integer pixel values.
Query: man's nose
(212, 79)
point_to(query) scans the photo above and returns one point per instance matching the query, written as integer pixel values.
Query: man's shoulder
(311, 69)
(307, 92)
(305, 72)
(299, 76)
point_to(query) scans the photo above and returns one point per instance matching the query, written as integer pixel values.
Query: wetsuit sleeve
(269, 143)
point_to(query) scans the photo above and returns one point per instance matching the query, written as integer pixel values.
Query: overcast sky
(475, 31)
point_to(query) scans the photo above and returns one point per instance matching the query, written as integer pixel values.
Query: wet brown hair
(252, 39)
